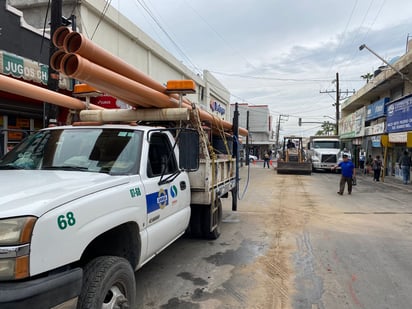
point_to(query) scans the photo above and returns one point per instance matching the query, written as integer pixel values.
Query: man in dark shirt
(405, 163)
(348, 172)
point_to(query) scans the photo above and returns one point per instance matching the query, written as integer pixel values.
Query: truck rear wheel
(216, 223)
(108, 282)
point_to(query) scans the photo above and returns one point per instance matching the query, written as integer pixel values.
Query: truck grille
(329, 159)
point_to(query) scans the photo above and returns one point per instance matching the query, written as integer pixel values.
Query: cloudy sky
(284, 54)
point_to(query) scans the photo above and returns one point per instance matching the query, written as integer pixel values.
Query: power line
(102, 15)
(157, 22)
(276, 78)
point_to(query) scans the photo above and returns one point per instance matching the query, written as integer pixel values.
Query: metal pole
(384, 61)
(51, 111)
(236, 153)
(247, 139)
(337, 104)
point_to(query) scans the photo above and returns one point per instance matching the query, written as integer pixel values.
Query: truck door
(167, 202)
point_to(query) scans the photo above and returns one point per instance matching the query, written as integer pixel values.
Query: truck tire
(108, 282)
(217, 218)
(195, 229)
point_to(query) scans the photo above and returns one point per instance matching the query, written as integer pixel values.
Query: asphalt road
(293, 243)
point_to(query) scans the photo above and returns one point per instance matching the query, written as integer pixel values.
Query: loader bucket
(303, 168)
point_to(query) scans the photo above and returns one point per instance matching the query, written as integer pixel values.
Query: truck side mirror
(188, 142)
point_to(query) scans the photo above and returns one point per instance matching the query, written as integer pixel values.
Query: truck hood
(326, 151)
(34, 192)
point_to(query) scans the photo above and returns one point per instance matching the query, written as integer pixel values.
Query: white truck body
(324, 152)
(98, 194)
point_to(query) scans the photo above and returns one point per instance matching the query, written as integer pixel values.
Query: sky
(284, 54)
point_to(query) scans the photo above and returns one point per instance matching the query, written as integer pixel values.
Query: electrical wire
(44, 29)
(102, 15)
(241, 196)
(157, 22)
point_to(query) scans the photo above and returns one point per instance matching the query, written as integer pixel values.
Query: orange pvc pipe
(75, 42)
(131, 92)
(56, 59)
(59, 35)
(24, 89)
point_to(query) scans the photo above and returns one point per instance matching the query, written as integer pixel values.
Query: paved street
(293, 243)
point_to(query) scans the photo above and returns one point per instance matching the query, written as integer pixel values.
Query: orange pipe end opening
(72, 42)
(59, 35)
(56, 58)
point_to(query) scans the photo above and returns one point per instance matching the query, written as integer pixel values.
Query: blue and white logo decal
(173, 191)
(157, 200)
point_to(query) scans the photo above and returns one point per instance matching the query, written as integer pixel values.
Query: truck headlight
(15, 236)
(16, 231)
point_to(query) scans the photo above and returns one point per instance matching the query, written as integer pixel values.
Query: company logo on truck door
(173, 194)
(173, 191)
(157, 200)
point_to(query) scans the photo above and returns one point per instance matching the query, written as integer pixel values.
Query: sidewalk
(391, 181)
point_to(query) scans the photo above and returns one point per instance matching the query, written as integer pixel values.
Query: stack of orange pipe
(24, 89)
(89, 63)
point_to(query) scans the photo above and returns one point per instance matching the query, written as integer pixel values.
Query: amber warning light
(84, 90)
(181, 86)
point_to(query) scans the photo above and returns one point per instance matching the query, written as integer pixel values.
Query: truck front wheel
(108, 282)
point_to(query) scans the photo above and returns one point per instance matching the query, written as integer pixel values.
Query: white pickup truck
(84, 206)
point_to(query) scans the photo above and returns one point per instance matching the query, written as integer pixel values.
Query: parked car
(252, 158)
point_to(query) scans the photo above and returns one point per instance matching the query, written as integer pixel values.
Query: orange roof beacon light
(86, 91)
(181, 86)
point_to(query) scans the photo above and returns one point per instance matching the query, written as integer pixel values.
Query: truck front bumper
(46, 292)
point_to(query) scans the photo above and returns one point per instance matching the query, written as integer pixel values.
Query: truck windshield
(326, 144)
(113, 151)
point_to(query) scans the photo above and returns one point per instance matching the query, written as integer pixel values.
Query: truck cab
(80, 199)
(324, 152)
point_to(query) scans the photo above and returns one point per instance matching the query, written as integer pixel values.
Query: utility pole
(247, 139)
(278, 128)
(337, 102)
(50, 110)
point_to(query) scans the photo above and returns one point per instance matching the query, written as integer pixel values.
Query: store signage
(359, 126)
(398, 137)
(376, 141)
(399, 116)
(27, 69)
(105, 101)
(217, 107)
(376, 109)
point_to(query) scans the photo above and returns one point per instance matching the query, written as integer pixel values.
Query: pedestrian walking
(347, 174)
(368, 164)
(377, 167)
(266, 160)
(362, 159)
(405, 164)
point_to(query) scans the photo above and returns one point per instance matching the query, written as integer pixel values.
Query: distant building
(260, 128)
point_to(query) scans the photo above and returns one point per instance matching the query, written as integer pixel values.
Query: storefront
(399, 128)
(20, 115)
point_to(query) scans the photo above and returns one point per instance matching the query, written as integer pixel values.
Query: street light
(384, 61)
